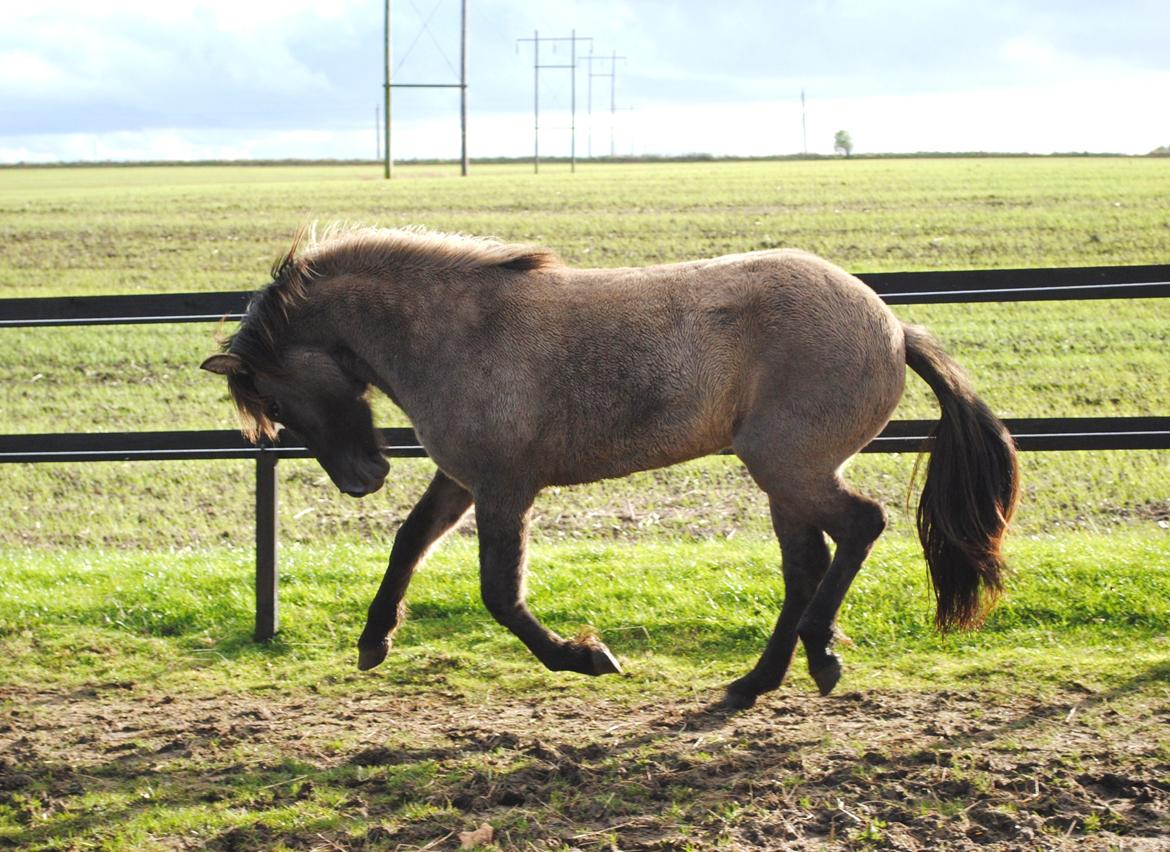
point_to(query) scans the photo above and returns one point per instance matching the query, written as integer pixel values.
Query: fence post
(267, 575)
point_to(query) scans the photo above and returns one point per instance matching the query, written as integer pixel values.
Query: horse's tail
(971, 490)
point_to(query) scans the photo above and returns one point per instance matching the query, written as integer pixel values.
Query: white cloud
(1030, 53)
(1109, 115)
(31, 73)
(129, 79)
(182, 144)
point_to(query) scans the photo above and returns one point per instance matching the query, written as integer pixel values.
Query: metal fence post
(267, 574)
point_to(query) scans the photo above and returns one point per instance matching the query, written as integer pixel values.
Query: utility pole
(612, 74)
(536, 69)
(803, 123)
(461, 85)
(389, 161)
(463, 161)
(612, 101)
(573, 101)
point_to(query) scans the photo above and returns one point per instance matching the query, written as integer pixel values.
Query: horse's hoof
(603, 661)
(826, 676)
(735, 699)
(370, 657)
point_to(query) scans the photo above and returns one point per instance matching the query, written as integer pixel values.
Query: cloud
(130, 65)
(216, 76)
(31, 75)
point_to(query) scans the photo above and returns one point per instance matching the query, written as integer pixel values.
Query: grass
(189, 228)
(198, 228)
(195, 228)
(127, 588)
(247, 746)
(681, 613)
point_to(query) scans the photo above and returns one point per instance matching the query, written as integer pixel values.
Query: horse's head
(279, 377)
(317, 395)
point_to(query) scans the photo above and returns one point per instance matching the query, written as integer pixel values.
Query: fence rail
(1033, 434)
(896, 288)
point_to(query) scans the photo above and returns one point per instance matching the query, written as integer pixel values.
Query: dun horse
(519, 372)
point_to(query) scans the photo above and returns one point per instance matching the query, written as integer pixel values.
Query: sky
(129, 80)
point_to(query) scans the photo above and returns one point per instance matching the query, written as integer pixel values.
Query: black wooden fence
(896, 288)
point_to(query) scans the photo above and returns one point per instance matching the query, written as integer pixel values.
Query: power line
(431, 35)
(803, 123)
(425, 28)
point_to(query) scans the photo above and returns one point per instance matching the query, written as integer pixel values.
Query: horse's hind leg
(443, 504)
(854, 523)
(805, 558)
(801, 508)
(503, 540)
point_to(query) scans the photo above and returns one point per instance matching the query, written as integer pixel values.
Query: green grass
(678, 613)
(194, 228)
(131, 583)
(176, 228)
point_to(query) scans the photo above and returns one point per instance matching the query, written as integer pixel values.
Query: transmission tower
(461, 85)
(536, 40)
(612, 75)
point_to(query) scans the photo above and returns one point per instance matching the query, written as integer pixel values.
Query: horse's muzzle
(353, 492)
(368, 476)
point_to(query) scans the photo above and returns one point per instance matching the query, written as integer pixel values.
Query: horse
(520, 372)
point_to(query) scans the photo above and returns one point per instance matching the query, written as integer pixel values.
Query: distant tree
(1161, 151)
(843, 143)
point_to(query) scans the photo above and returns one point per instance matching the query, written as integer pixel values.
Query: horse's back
(666, 363)
(575, 375)
(793, 344)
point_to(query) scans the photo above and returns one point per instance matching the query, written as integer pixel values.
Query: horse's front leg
(503, 541)
(442, 506)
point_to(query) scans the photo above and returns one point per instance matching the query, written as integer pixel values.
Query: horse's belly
(605, 455)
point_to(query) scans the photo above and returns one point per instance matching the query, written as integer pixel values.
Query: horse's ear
(223, 365)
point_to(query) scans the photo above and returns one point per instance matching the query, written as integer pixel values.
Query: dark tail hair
(971, 490)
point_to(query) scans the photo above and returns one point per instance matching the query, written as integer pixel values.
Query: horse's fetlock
(816, 637)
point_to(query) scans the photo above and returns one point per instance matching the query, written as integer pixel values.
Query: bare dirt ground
(912, 771)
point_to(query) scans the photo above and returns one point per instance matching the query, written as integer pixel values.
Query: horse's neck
(371, 320)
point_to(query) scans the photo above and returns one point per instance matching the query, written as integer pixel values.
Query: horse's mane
(345, 250)
(416, 249)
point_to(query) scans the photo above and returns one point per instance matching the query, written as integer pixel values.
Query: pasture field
(136, 713)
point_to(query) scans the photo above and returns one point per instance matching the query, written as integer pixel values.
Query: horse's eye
(273, 411)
